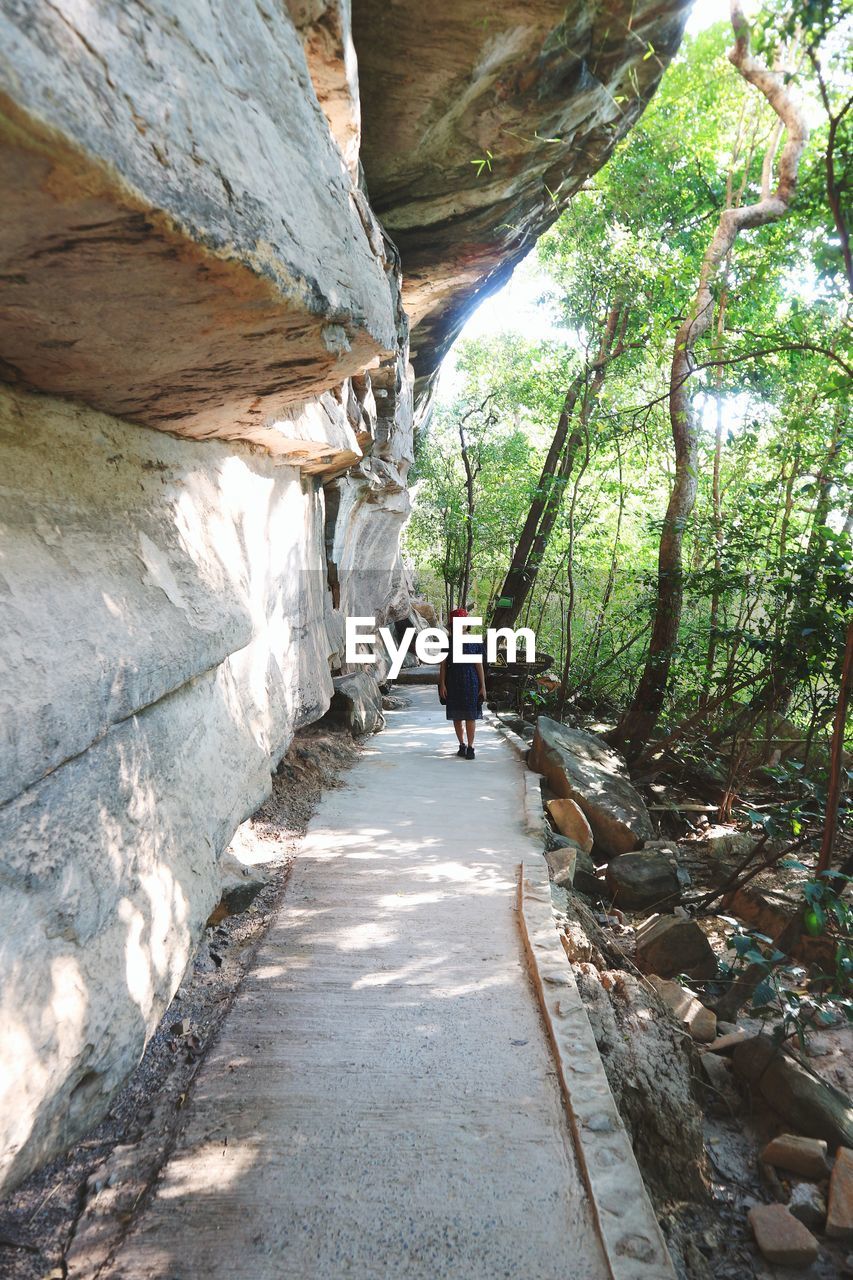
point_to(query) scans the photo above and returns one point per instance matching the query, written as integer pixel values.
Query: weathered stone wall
(168, 625)
(186, 244)
(182, 244)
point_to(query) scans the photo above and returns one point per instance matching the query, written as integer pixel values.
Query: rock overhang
(475, 149)
(170, 253)
(184, 246)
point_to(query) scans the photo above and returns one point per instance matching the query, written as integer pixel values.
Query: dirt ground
(64, 1220)
(713, 1241)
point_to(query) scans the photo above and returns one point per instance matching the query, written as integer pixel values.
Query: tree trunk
(638, 722)
(777, 689)
(515, 587)
(570, 582)
(833, 795)
(560, 459)
(470, 507)
(716, 591)
(636, 726)
(835, 187)
(595, 643)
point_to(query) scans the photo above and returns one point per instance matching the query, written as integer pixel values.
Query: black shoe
(469, 753)
(461, 751)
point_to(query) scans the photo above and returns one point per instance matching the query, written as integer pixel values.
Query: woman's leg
(470, 726)
(457, 725)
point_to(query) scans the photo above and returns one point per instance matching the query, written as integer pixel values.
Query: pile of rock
(820, 1198)
(668, 945)
(357, 703)
(604, 818)
(599, 841)
(580, 766)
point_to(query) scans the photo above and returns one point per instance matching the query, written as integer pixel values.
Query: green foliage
(767, 585)
(785, 998)
(436, 533)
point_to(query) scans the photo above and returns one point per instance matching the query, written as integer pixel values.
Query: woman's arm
(442, 681)
(481, 673)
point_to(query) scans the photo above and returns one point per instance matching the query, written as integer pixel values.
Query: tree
(641, 717)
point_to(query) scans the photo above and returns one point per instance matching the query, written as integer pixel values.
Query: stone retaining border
(534, 816)
(515, 740)
(632, 1240)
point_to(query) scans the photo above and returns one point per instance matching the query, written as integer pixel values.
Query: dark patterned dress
(463, 685)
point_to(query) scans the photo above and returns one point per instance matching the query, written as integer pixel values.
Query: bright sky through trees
(517, 307)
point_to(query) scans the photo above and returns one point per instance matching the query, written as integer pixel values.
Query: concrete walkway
(382, 1101)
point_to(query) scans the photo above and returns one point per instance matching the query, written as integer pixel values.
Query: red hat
(459, 613)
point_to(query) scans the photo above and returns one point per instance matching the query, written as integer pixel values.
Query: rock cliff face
(473, 147)
(186, 244)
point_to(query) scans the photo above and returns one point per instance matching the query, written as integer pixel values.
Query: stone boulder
(357, 703)
(781, 1238)
(582, 876)
(637, 881)
(795, 1154)
(805, 1101)
(580, 766)
(554, 840)
(668, 945)
(726, 843)
(807, 1205)
(585, 878)
(569, 820)
(839, 1221)
(723, 1098)
(426, 612)
(699, 1022)
(561, 863)
(241, 884)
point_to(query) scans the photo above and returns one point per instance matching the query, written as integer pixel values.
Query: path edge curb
(630, 1234)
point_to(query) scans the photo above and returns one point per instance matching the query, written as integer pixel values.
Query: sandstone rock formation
(647, 879)
(668, 946)
(476, 148)
(807, 1103)
(839, 1222)
(568, 817)
(781, 1238)
(700, 1023)
(239, 886)
(171, 253)
(187, 244)
(581, 767)
(795, 1154)
(357, 703)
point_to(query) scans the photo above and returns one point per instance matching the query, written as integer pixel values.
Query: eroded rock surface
(187, 244)
(781, 1237)
(357, 703)
(501, 113)
(581, 767)
(172, 254)
(644, 880)
(812, 1106)
(668, 946)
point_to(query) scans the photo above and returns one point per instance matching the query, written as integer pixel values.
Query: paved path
(382, 1101)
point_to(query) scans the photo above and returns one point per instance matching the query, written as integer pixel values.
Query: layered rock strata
(474, 146)
(187, 244)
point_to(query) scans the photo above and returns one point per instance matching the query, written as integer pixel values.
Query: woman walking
(462, 687)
